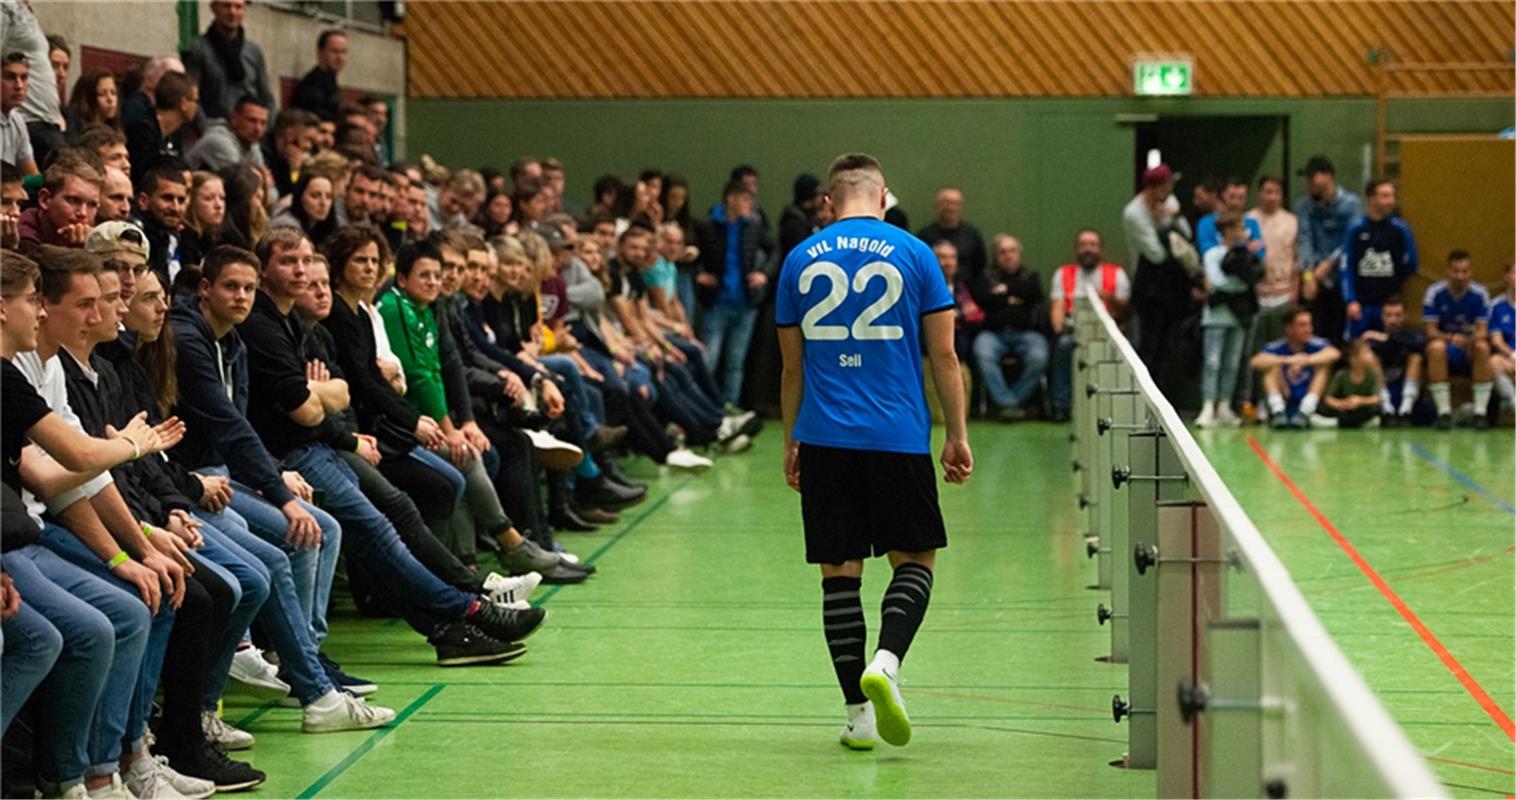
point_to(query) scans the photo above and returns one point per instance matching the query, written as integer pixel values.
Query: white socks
(1385, 403)
(1276, 404)
(1442, 395)
(1408, 396)
(1481, 397)
(1506, 387)
(887, 661)
(1308, 404)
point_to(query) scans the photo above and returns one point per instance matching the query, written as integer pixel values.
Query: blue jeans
(726, 330)
(106, 746)
(104, 632)
(591, 409)
(1029, 346)
(283, 618)
(1061, 371)
(684, 288)
(313, 568)
(1222, 359)
(372, 539)
(443, 467)
(31, 646)
(250, 582)
(141, 640)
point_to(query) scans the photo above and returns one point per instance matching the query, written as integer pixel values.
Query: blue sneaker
(357, 687)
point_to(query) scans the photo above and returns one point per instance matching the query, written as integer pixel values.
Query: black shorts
(861, 503)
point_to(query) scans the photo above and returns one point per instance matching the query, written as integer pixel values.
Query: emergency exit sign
(1163, 77)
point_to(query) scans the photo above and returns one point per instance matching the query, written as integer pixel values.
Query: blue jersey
(858, 290)
(1455, 314)
(1299, 383)
(1503, 319)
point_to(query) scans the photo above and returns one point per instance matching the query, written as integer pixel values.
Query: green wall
(1040, 169)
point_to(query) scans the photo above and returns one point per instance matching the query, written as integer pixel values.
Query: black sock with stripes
(904, 607)
(842, 621)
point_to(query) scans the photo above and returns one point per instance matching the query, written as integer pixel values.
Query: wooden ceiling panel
(949, 48)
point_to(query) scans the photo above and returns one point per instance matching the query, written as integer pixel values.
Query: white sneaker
(552, 452)
(730, 427)
(1227, 418)
(253, 671)
(684, 459)
(511, 592)
(115, 790)
(187, 785)
(1207, 418)
(1319, 421)
(219, 730)
(883, 692)
(150, 777)
(860, 732)
(737, 444)
(340, 711)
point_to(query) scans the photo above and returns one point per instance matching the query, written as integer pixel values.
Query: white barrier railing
(1236, 690)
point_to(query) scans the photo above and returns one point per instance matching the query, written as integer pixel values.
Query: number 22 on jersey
(838, 286)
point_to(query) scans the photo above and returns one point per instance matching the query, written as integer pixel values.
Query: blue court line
(1461, 478)
(368, 744)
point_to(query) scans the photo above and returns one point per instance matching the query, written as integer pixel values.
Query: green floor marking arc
(368, 744)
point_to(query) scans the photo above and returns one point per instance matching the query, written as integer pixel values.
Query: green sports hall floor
(692, 665)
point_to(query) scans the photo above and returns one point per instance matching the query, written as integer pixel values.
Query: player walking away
(853, 302)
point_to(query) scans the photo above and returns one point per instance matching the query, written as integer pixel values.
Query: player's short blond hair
(852, 174)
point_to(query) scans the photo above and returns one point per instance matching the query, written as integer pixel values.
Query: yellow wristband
(147, 530)
(1307, 275)
(119, 559)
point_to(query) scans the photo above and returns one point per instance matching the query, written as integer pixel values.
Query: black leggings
(200, 628)
(516, 479)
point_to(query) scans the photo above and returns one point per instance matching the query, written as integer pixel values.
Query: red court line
(1427, 637)
(1467, 764)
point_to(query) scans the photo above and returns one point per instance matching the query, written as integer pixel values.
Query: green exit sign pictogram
(1163, 78)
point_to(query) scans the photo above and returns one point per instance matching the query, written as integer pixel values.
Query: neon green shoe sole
(889, 715)
(856, 744)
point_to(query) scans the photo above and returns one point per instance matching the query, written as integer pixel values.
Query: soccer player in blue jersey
(1456, 313)
(853, 303)
(1294, 370)
(1378, 254)
(1503, 338)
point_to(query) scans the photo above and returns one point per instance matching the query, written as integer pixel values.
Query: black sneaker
(460, 644)
(602, 493)
(1481, 422)
(357, 687)
(210, 763)
(508, 624)
(1444, 422)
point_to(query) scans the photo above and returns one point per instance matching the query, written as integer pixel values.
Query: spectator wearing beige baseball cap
(125, 250)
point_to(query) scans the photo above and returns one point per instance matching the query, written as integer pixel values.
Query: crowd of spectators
(243, 343)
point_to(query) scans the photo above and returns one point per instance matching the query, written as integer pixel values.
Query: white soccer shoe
(859, 733)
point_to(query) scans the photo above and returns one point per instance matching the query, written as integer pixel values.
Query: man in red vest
(1069, 281)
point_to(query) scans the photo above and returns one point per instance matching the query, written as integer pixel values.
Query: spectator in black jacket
(225, 63)
(200, 625)
(157, 135)
(799, 220)
(162, 200)
(949, 225)
(317, 92)
(1012, 299)
(736, 269)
